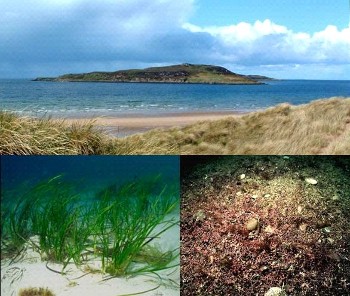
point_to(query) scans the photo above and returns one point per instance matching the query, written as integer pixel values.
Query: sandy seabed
(28, 270)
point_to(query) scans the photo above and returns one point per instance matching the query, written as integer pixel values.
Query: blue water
(87, 173)
(97, 99)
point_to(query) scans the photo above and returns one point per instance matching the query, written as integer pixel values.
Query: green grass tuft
(119, 226)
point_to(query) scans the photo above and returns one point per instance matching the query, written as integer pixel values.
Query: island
(183, 73)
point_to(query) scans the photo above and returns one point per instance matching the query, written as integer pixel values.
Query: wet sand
(127, 125)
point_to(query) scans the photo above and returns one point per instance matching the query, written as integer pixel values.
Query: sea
(92, 99)
(88, 174)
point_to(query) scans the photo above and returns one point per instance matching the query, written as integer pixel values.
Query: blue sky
(307, 39)
(305, 16)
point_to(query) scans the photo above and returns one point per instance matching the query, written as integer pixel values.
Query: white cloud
(241, 33)
(267, 43)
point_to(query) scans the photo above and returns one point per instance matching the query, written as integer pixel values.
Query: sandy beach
(132, 124)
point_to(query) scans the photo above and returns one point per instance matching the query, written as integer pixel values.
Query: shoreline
(127, 125)
(48, 79)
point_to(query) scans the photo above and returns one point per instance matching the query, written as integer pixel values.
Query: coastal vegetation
(320, 127)
(184, 73)
(23, 136)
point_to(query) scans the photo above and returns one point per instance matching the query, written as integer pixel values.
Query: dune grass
(320, 127)
(24, 136)
(119, 227)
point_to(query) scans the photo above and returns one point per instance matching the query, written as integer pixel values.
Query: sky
(283, 39)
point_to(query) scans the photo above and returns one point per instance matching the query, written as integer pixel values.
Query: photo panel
(265, 225)
(98, 225)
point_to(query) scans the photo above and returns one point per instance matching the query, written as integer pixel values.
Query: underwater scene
(104, 225)
(265, 225)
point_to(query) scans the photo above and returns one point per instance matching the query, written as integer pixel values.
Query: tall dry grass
(320, 127)
(46, 136)
(24, 136)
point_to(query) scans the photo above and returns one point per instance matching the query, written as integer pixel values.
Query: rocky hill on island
(184, 73)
